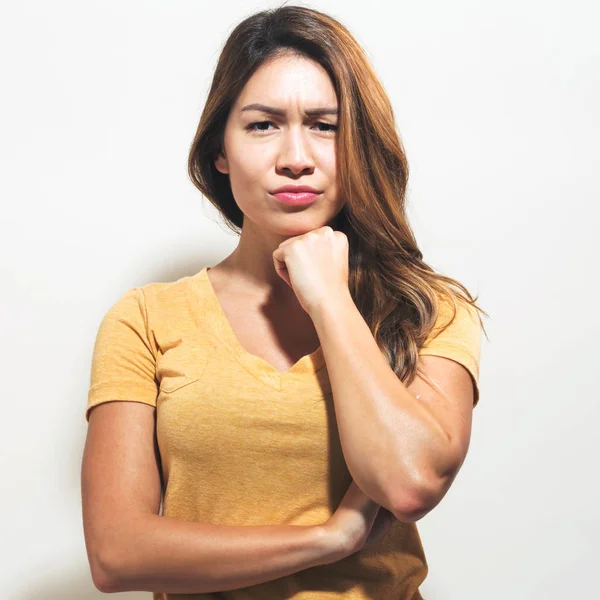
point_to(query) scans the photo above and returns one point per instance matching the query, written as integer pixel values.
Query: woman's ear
(221, 163)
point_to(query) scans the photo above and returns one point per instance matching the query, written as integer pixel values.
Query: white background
(498, 106)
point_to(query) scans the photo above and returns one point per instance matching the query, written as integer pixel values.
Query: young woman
(297, 407)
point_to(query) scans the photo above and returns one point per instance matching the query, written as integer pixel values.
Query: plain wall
(498, 106)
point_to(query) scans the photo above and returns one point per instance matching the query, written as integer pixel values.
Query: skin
(403, 446)
(291, 149)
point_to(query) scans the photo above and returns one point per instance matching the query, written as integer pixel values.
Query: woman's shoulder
(165, 295)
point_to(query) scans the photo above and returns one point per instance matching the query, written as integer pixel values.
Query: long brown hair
(396, 292)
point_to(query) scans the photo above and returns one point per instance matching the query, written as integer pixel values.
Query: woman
(300, 405)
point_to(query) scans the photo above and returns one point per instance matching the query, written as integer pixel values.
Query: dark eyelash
(252, 126)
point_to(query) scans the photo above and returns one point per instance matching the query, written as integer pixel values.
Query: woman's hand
(358, 522)
(315, 266)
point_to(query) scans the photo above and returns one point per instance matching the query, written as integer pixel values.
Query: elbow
(411, 511)
(104, 574)
(413, 516)
(116, 566)
(415, 501)
(102, 580)
(418, 501)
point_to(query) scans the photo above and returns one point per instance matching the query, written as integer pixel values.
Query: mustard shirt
(243, 444)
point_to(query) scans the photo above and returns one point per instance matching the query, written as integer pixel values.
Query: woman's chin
(299, 226)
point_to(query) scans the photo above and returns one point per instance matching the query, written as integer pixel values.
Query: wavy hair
(396, 292)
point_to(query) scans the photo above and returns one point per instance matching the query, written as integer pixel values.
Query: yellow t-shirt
(243, 444)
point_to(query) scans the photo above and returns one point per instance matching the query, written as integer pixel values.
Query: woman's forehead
(287, 79)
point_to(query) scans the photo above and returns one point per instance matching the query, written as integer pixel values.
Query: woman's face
(264, 151)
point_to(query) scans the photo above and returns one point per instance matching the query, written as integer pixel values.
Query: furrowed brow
(312, 112)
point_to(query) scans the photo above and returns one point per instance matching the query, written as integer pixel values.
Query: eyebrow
(312, 112)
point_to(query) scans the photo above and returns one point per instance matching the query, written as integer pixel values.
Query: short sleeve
(123, 359)
(460, 341)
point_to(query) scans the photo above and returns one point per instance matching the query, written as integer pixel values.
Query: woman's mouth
(296, 198)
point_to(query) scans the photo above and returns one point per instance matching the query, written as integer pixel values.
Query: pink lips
(296, 198)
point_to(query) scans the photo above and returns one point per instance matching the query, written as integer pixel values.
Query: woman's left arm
(403, 445)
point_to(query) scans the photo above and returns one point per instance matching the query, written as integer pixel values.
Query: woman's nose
(295, 153)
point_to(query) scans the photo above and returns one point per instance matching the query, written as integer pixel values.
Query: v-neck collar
(215, 319)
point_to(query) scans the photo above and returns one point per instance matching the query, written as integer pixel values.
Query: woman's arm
(132, 547)
(162, 554)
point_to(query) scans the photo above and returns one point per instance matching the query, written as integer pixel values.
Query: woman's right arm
(160, 553)
(132, 548)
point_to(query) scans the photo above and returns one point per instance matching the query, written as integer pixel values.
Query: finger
(282, 271)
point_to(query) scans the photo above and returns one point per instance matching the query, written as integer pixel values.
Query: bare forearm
(392, 443)
(162, 554)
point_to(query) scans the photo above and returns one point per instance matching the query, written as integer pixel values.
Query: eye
(254, 126)
(333, 127)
